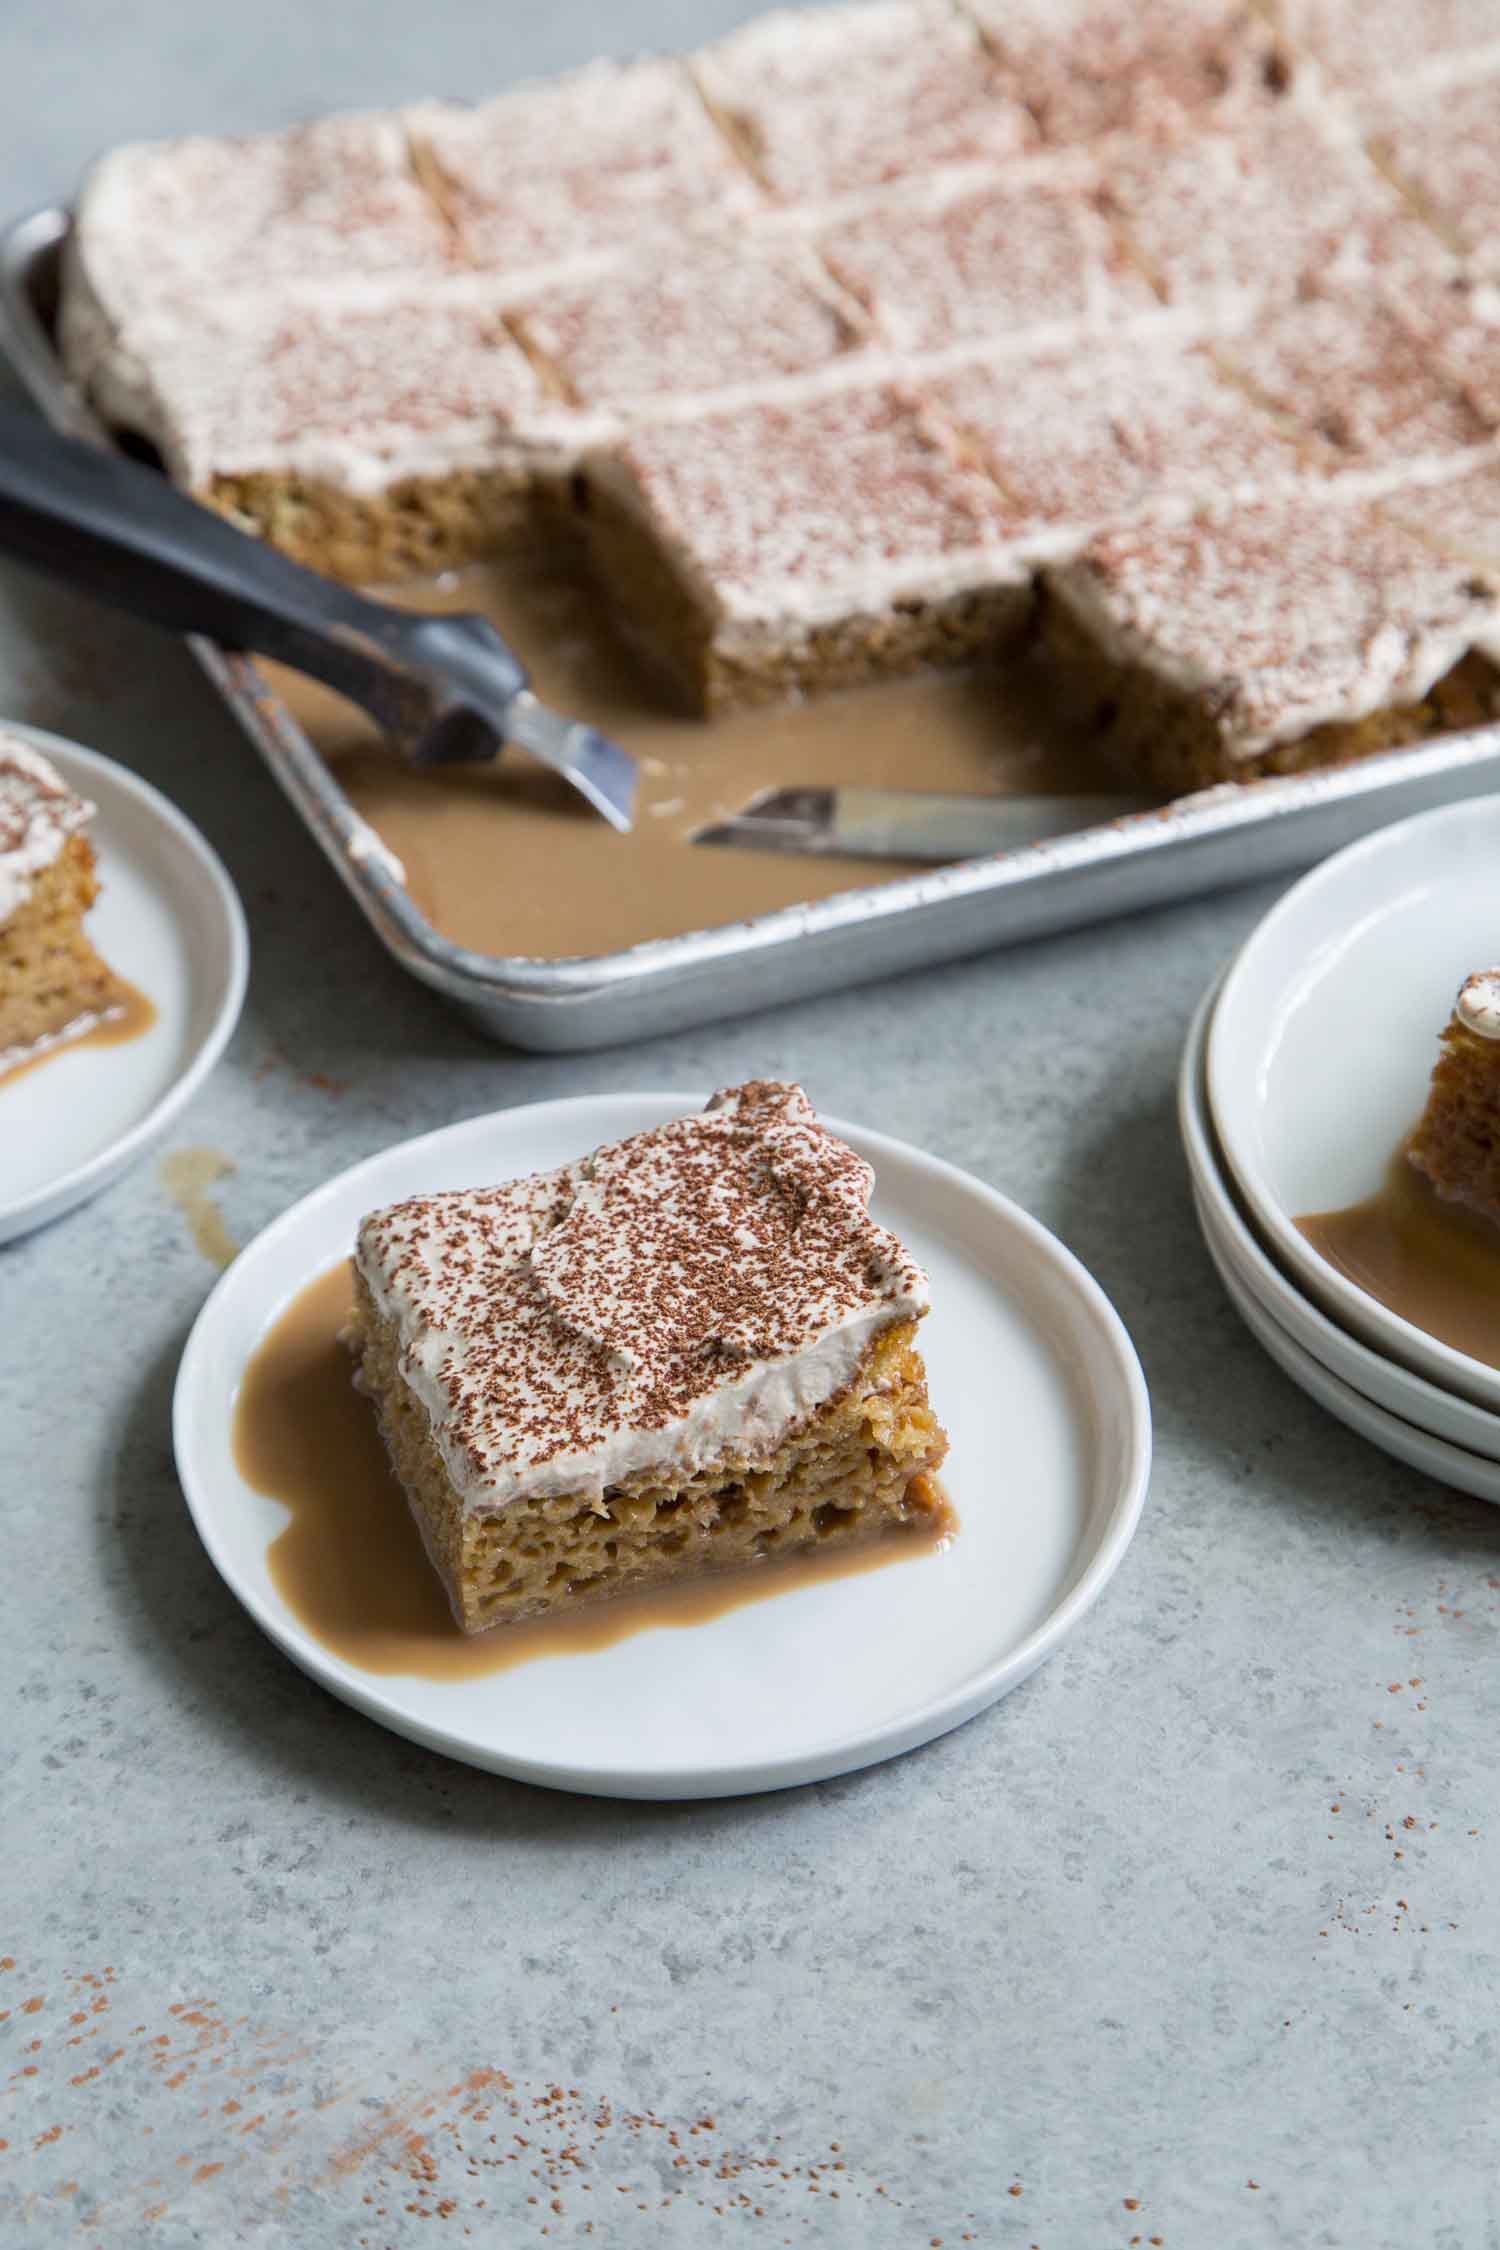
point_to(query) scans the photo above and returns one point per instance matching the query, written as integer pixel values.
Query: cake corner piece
(688, 1352)
(1456, 1145)
(53, 985)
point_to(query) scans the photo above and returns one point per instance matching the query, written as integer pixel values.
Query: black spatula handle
(122, 533)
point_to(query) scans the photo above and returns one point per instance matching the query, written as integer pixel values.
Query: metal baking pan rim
(1189, 827)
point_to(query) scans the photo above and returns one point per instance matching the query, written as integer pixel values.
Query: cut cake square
(1384, 376)
(52, 982)
(688, 1352)
(1359, 43)
(827, 101)
(1457, 1141)
(164, 224)
(365, 440)
(1089, 67)
(772, 549)
(1262, 212)
(961, 257)
(1078, 441)
(708, 314)
(1440, 140)
(1288, 633)
(579, 168)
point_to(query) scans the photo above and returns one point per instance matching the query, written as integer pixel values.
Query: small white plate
(1030, 1370)
(1232, 1240)
(1324, 1038)
(169, 921)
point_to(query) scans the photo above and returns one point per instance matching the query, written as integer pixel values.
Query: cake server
(909, 824)
(444, 688)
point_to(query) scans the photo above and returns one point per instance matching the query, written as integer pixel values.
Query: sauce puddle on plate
(351, 1564)
(127, 1014)
(1434, 1263)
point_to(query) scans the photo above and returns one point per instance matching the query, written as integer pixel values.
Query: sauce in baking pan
(505, 858)
(351, 1564)
(1434, 1263)
(127, 1015)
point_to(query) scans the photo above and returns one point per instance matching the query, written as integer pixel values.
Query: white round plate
(1324, 1038)
(1030, 1370)
(167, 919)
(1232, 1241)
(1450, 1464)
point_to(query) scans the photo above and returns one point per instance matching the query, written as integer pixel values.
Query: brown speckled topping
(1381, 376)
(425, 379)
(1086, 67)
(826, 101)
(706, 314)
(1086, 440)
(575, 166)
(1263, 211)
(1333, 612)
(686, 1293)
(784, 511)
(966, 257)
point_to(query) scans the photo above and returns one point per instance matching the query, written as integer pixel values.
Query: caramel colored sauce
(1434, 1263)
(350, 1563)
(187, 1175)
(128, 1014)
(505, 858)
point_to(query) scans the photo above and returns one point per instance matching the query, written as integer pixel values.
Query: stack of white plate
(1306, 1066)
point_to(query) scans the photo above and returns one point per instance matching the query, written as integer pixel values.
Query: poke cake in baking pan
(883, 336)
(689, 1352)
(53, 985)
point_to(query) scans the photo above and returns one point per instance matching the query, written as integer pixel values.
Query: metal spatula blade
(908, 824)
(443, 688)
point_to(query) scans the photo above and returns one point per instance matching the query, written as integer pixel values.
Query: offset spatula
(910, 824)
(444, 689)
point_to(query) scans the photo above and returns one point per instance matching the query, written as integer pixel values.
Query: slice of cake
(829, 101)
(1146, 427)
(52, 983)
(688, 1352)
(1457, 1143)
(1283, 203)
(710, 313)
(784, 549)
(992, 255)
(1089, 67)
(365, 440)
(1292, 632)
(160, 225)
(1439, 138)
(1382, 377)
(569, 171)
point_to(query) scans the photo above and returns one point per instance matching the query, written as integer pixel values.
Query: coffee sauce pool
(505, 858)
(1433, 1263)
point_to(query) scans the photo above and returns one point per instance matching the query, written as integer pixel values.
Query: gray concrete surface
(1191, 1942)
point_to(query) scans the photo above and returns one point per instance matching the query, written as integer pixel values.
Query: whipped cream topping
(676, 1299)
(1478, 1004)
(38, 813)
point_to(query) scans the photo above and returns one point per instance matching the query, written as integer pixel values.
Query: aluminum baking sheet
(1208, 842)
